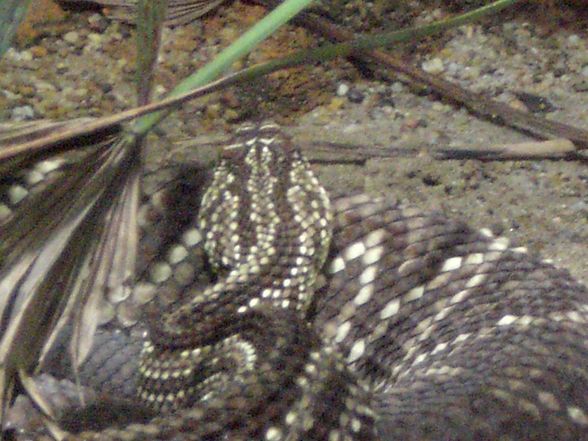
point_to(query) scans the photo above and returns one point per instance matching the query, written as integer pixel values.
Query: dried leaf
(179, 11)
(63, 248)
(41, 402)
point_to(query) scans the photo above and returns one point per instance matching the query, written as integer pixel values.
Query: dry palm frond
(71, 241)
(65, 242)
(68, 229)
(179, 11)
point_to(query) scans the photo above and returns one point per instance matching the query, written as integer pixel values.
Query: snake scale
(416, 327)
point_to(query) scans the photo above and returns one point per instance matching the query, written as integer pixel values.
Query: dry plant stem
(62, 133)
(559, 148)
(476, 103)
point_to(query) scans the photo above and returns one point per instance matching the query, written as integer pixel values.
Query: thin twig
(552, 149)
(476, 103)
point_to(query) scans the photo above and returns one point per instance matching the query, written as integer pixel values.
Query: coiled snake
(419, 327)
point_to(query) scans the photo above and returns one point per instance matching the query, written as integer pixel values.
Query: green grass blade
(193, 86)
(150, 17)
(162, 107)
(329, 51)
(245, 44)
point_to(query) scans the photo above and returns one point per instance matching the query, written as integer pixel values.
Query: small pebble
(440, 107)
(71, 37)
(580, 86)
(22, 113)
(471, 73)
(574, 40)
(453, 68)
(355, 96)
(385, 99)
(24, 56)
(38, 51)
(95, 39)
(230, 99)
(336, 103)
(61, 68)
(159, 90)
(45, 87)
(535, 103)
(342, 89)
(98, 23)
(413, 123)
(397, 87)
(434, 66)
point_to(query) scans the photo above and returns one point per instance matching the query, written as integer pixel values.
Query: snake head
(264, 191)
(257, 153)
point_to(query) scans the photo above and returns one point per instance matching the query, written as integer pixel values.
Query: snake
(350, 318)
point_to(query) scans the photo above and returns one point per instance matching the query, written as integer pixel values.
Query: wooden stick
(478, 104)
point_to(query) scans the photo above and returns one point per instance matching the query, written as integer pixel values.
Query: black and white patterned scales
(419, 327)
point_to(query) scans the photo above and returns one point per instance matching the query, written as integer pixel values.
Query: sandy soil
(85, 67)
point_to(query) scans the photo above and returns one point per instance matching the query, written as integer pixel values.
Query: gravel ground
(85, 68)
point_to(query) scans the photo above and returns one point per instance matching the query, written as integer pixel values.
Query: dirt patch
(87, 70)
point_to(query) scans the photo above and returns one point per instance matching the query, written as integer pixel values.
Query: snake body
(460, 334)
(418, 327)
(268, 257)
(239, 359)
